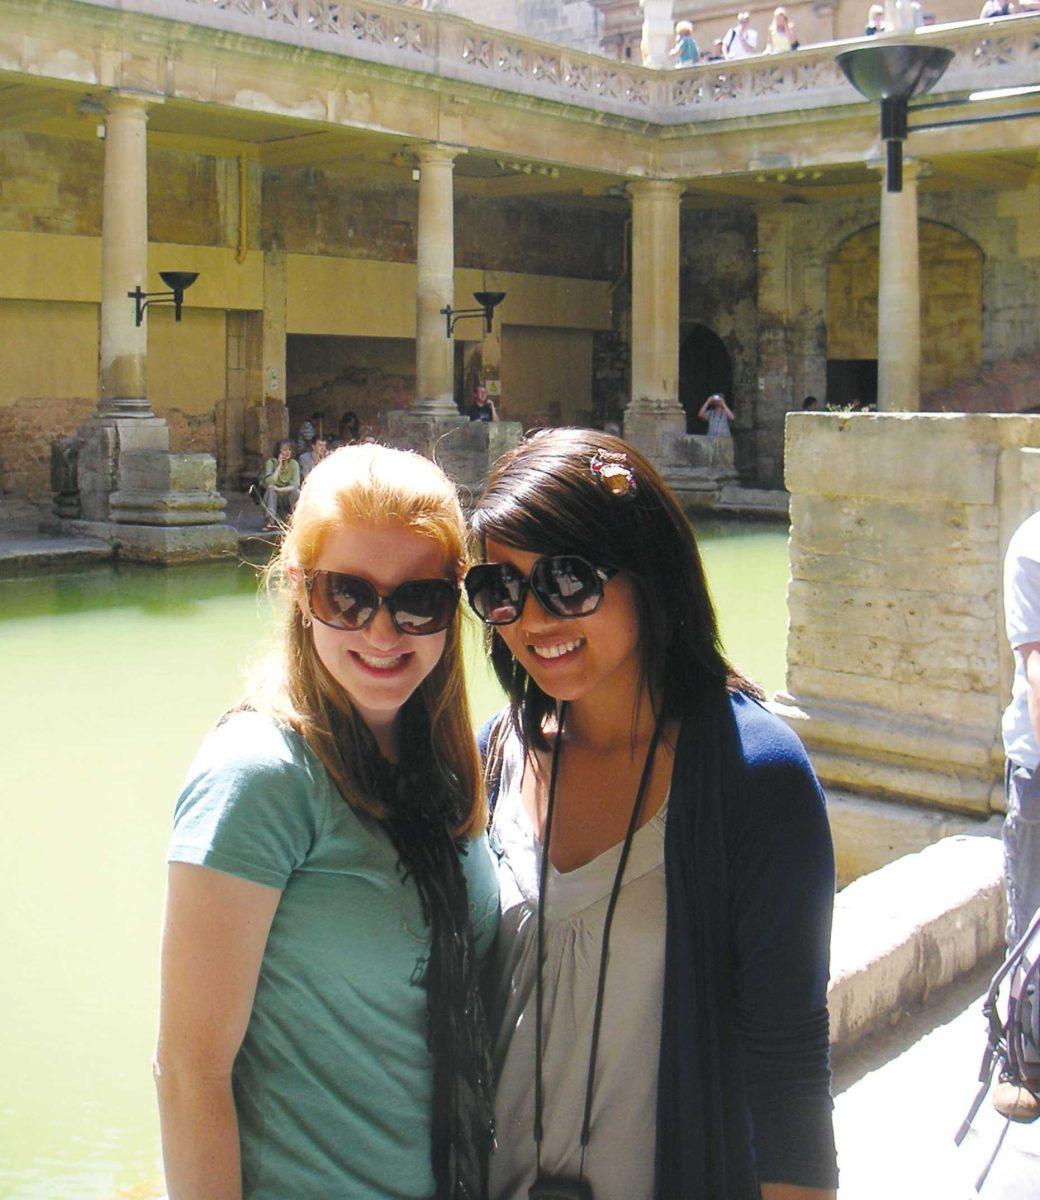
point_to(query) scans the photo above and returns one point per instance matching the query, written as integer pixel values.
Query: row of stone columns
(654, 411)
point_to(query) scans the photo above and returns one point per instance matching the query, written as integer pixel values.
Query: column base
(464, 450)
(99, 445)
(653, 427)
(160, 545)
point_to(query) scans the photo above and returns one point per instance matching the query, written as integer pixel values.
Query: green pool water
(110, 679)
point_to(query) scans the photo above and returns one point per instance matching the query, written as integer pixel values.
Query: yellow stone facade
(283, 144)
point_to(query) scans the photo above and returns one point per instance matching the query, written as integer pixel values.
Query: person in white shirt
(1021, 728)
(741, 41)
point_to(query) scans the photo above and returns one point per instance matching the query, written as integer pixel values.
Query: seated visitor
(482, 408)
(309, 459)
(280, 483)
(875, 20)
(349, 429)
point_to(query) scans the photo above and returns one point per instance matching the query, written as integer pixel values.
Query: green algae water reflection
(112, 676)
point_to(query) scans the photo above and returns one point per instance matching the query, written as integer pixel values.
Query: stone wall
(898, 669)
(324, 213)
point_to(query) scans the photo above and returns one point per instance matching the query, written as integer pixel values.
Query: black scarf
(423, 806)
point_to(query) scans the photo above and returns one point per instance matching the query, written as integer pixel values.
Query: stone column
(658, 32)
(435, 288)
(123, 390)
(654, 416)
(899, 298)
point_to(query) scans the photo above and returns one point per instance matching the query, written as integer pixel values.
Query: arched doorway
(951, 312)
(704, 367)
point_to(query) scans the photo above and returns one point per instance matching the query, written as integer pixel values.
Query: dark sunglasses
(564, 584)
(417, 607)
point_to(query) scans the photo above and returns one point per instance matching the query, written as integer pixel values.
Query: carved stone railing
(999, 53)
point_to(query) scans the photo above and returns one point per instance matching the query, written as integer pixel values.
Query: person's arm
(783, 895)
(727, 410)
(494, 411)
(703, 413)
(214, 935)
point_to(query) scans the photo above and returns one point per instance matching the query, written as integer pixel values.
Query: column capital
(913, 168)
(436, 152)
(640, 189)
(130, 104)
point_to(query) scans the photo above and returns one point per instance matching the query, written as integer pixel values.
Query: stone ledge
(910, 928)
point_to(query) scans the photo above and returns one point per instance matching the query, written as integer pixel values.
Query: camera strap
(615, 892)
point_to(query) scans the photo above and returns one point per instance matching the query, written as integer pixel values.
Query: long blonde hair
(369, 485)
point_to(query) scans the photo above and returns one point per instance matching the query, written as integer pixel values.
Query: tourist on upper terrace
(331, 893)
(685, 50)
(309, 459)
(483, 407)
(716, 54)
(782, 36)
(718, 414)
(280, 483)
(1021, 728)
(666, 866)
(995, 8)
(810, 404)
(875, 20)
(741, 41)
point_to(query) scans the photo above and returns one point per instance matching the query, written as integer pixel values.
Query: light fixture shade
(178, 281)
(894, 71)
(489, 299)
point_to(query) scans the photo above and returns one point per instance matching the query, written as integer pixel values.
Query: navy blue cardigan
(744, 1075)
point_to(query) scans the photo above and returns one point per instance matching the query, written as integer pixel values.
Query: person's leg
(1021, 836)
(292, 495)
(270, 506)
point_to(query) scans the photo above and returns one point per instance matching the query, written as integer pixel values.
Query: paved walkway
(900, 1097)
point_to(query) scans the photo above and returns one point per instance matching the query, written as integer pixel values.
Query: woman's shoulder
(766, 741)
(254, 742)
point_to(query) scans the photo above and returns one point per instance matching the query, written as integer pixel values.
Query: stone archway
(704, 367)
(951, 306)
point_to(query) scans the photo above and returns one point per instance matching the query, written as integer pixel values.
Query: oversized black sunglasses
(417, 607)
(564, 584)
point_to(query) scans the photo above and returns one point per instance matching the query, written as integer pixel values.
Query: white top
(619, 1161)
(1022, 619)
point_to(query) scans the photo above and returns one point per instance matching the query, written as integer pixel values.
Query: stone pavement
(900, 1096)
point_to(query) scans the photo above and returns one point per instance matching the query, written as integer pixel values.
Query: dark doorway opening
(704, 367)
(851, 379)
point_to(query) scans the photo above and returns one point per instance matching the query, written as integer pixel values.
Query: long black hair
(544, 497)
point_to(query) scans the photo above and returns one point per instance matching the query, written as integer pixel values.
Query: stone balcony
(989, 54)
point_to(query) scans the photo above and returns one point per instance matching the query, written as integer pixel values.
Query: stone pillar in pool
(153, 505)
(899, 297)
(433, 425)
(654, 417)
(897, 666)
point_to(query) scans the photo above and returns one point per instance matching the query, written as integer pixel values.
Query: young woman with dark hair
(330, 888)
(667, 871)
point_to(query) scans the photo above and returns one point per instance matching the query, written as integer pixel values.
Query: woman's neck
(606, 722)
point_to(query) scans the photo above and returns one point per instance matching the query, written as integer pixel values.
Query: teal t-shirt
(333, 1083)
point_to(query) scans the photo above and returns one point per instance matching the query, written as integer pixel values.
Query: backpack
(1014, 1040)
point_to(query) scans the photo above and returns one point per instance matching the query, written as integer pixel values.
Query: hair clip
(614, 473)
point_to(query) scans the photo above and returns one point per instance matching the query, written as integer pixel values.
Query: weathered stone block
(157, 471)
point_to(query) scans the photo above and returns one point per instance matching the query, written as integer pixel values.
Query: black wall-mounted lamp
(488, 302)
(893, 73)
(177, 281)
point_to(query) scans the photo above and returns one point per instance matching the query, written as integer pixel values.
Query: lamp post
(488, 302)
(177, 281)
(893, 73)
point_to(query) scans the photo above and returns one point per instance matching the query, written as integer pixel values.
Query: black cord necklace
(556, 1188)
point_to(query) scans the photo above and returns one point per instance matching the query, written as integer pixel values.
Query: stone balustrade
(989, 54)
